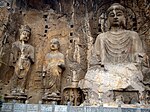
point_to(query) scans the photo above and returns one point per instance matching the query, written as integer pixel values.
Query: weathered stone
(76, 23)
(22, 58)
(121, 57)
(72, 95)
(53, 67)
(17, 98)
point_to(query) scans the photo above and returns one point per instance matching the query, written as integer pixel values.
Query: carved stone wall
(76, 23)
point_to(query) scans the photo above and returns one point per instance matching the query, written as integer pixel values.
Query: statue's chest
(118, 44)
(54, 58)
(118, 48)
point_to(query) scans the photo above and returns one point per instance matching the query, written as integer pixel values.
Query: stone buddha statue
(120, 55)
(22, 58)
(54, 66)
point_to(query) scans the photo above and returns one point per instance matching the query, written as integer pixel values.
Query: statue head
(116, 15)
(25, 33)
(54, 44)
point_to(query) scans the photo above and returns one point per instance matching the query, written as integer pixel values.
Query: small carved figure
(54, 66)
(22, 57)
(120, 54)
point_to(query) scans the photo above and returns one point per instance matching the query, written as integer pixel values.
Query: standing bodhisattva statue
(120, 55)
(22, 57)
(54, 66)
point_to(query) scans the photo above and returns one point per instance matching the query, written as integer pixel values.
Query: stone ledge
(18, 107)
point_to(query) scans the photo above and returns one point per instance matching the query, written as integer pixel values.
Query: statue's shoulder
(29, 45)
(61, 55)
(29, 48)
(133, 33)
(16, 43)
(102, 35)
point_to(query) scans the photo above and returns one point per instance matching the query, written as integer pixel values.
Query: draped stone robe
(22, 57)
(52, 80)
(123, 47)
(119, 53)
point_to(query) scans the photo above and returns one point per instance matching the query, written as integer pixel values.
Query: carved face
(25, 35)
(54, 44)
(116, 17)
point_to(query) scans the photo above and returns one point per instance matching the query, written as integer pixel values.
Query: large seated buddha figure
(120, 56)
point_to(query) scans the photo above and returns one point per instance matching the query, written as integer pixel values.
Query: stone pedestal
(131, 96)
(127, 97)
(73, 95)
(16, 98)
(51, 100)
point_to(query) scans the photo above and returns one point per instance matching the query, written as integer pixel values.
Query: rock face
(76, 23)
